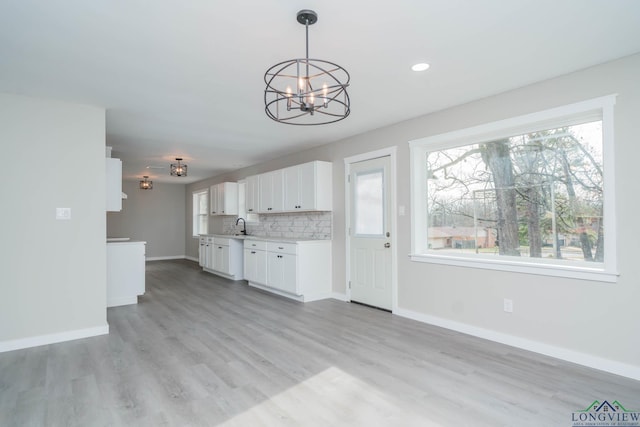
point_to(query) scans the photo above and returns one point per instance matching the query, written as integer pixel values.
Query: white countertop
(264, 238)
(125, 242)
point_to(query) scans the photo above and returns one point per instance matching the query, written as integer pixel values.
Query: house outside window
(200, 212)
(531, 194)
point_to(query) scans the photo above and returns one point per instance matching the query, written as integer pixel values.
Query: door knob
(387, 245)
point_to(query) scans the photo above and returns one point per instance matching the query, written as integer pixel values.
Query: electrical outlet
(63, 213)
(508, 305)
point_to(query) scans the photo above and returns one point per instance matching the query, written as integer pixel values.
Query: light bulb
(324, 94)
(289, 94)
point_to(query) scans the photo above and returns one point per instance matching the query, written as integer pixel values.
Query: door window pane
(369, 203)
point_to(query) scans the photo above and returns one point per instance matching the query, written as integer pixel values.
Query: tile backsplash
(307, 225)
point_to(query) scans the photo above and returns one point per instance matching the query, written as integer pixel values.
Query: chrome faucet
(244, 226)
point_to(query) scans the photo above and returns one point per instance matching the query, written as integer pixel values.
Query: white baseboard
(164, 258)
(52, 338)
(591, 361)
(275, 291)
(338, 296)
(317, 297)
(117, 302)
(190, 258)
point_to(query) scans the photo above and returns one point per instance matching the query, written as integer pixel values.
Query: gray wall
(53, 272)
(156, 216)
(579, 317)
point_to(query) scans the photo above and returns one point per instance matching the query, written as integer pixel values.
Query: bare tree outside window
(537, 195)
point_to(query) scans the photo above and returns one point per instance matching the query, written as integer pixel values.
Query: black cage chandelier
(178, 169)
(145, 184)
(306, 91)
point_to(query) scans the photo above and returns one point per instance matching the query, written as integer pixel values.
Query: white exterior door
(370, 233)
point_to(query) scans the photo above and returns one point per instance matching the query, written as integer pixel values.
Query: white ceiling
(185, 78)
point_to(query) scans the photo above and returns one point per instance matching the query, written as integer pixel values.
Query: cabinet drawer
(255, 244)
(283, 248)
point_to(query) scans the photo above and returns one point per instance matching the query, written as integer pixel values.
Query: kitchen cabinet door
(221, 259)
(208, 257)
(213, 199)
(255, 266)
(308, 187)
(202, 251)
(271, 192)
(224, 198)
(252, 194)
(281, 271)
(291, 188)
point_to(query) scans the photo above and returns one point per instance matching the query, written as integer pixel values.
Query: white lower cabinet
(125, 272)
(300, 270)
(255, 261)
(208, 253)
(201, 251)
(222, 256)
(281, 267)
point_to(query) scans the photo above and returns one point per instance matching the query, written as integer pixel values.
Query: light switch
(63, 213)
(401, 210)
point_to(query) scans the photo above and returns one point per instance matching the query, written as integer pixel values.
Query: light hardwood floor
(202, 350)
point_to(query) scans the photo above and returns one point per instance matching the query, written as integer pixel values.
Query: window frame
(601, 108)
(195, 229)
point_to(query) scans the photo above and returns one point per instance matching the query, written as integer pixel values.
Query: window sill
(541, 269)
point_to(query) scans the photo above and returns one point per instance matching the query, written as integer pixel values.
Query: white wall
(156, 216)
(584, 321)
(53, 284)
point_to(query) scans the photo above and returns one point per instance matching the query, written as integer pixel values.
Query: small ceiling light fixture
(145, 184)
(178, 169)
(420, 67)
(307, 91)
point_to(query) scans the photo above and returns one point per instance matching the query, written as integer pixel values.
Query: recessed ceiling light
(420, 67)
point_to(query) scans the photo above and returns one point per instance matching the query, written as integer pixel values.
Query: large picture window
(526, 194)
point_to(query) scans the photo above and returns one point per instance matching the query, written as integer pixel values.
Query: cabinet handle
(253, 252)
(219, 247)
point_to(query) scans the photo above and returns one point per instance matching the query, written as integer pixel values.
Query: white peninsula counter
(125, 271)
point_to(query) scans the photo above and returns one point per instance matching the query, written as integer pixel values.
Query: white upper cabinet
(224, 198)
(305, 187)
(252, 194)
(271, 197)
(308, 187)
(114, 184)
